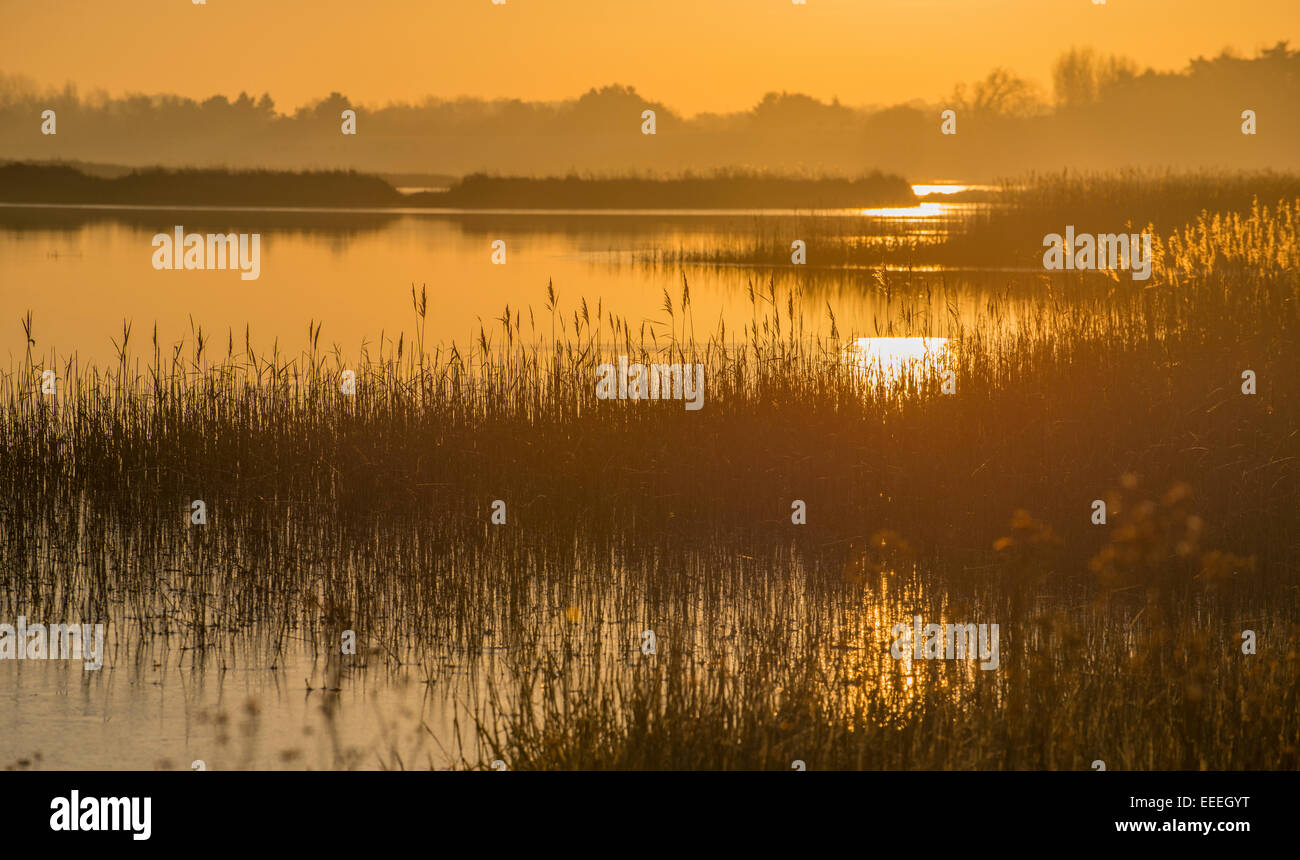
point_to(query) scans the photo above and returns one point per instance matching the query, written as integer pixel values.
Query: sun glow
(922, 210)
(892, 360)
(922, 190)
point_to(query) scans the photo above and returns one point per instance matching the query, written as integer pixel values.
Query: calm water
(259, 714)
(83, 271)
(159, 706)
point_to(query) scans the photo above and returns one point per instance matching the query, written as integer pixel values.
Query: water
(156, 704)
(82, 271)
(169, 714)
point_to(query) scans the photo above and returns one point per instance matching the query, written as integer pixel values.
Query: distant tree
(1082, 77)
(16, 89)
(610, 107)
(327, 108)
(796, 110)
(1000, 94)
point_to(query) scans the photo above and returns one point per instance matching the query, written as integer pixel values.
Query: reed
(329, 511)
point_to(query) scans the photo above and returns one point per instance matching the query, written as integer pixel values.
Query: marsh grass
(370, 512)
(1005, 231)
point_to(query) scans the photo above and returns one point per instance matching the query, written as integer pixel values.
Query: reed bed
(371, 511)
(1003, 230)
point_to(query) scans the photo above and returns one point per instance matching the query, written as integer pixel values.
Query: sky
(692, 55)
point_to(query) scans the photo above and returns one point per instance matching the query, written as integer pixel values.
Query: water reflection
(82, 273)
(893, 361)
(929, 208)
(942, 188)
(878, 687)
(921, 210)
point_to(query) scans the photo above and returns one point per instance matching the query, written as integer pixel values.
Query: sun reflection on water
(921, 210)
(927, 208)
(892, 361)
(942, 188)
(876, 686)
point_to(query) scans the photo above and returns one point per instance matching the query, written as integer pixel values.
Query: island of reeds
(42, 183)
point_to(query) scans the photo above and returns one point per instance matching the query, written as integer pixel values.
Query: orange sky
(693, 55)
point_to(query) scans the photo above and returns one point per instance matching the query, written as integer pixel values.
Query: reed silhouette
(370, 511)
